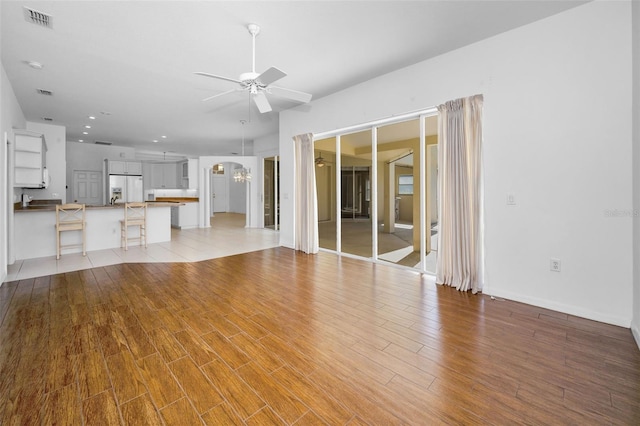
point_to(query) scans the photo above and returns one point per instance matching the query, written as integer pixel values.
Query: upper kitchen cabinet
(29, 160)
(163, 176)
(187, 174)
(125, 168)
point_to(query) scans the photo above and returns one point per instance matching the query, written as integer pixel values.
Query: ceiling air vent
(47, 118)
(44, 92)
(102, 143)
(38, 18)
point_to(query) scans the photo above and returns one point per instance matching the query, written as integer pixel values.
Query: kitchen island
(35, 232)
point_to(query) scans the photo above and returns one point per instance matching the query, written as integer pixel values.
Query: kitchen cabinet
(187, 174)
(163, 176)
(30, 164)
(124, 167)
(182, 175)
(185, 216)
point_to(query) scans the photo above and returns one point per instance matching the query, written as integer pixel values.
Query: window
(405, 184)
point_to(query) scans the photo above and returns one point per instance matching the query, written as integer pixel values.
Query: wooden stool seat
(70, 217)
(135, 214)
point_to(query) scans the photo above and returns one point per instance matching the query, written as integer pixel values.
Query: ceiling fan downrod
(254, 30)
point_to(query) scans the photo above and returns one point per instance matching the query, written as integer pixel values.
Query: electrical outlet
(555, 265)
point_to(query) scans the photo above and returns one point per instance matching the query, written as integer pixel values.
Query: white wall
(11, 117)
(56, 140)
(635, 327)
(557, 134)
(237, 193)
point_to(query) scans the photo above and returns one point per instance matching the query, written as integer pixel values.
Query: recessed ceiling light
(91, 117)
(85, 133)
(80, 140)
(163, 137)
(35, 65)
(155, 141)
(105, 113)
(87, 127)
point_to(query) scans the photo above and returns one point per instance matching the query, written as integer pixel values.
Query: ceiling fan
(260, 84)
(320, 161)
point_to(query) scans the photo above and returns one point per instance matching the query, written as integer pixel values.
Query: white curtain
(306, 211)
(460, 253)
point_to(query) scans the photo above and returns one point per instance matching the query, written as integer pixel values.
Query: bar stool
(70, 217)
(135, 214)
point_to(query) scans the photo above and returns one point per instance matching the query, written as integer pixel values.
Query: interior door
(87, 187)
(219, 196)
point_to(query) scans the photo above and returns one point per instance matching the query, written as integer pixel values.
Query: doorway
(271, 192)
(87, 187)
(219, 196)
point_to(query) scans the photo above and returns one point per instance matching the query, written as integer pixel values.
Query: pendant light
(242, 174)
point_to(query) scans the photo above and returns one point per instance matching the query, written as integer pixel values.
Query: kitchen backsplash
(152, 194)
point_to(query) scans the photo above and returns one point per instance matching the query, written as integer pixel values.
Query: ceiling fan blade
(293, 95)
(260, 99)
(206, 74)
(220, 94)
(270, 75)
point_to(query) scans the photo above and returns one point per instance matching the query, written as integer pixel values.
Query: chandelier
(242, 174)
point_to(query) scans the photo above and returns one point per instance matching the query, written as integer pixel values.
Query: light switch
(511, 199)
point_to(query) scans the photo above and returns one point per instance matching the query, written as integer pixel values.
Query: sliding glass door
(377, 194)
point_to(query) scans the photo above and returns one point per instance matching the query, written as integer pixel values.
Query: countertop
(177, 199)
(17, 207)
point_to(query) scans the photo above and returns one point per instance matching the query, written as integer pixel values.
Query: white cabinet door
(117, 167)
(134, 168)
(163, 175)
(125, 168)
(157, 175)
(170, 175)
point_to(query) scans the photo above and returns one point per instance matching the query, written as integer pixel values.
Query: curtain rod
(392, 119)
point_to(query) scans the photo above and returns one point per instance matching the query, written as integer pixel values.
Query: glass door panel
(398, 154)
(431, 191)
(355, 190)
(325, 162)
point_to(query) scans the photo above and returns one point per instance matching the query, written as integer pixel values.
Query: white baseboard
(288, 245)
(567, 309)
(636, 334)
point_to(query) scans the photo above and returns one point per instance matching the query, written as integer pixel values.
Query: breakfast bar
(36, 236)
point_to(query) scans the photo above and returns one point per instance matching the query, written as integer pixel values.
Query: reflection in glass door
(325, 163)
(355, 189)
(271, 193)
(398, 157)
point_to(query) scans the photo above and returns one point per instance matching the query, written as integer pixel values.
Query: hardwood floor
(280, 337)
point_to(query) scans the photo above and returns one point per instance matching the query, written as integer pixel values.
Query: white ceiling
(135, 59)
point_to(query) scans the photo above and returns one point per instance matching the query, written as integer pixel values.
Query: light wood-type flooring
(280, 337)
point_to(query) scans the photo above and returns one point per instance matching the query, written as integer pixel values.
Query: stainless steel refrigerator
(125, 189)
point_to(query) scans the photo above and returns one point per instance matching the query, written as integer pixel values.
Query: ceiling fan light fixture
(259, 84)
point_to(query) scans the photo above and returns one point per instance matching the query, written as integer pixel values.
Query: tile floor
(227, 236)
